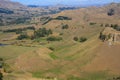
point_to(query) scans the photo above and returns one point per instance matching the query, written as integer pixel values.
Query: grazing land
(70, 45)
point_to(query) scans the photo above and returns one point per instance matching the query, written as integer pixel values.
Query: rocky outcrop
(111, 35)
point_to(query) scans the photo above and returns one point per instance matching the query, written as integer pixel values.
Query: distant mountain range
(15, 13)
(11, 5)
(10, 12)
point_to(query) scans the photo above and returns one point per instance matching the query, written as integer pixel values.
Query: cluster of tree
(65, 26)
(53, 38)
(47, 19)
(115, 26)
(19, 30)
(104, 37)
(41, 32)
(6, 11)
(63, 18)
(111, 12)
(81, 39)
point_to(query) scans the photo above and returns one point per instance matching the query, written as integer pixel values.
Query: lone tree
(83, 39)
(1, 76)
(75, 38)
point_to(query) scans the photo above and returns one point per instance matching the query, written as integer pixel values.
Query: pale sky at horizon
(65, 2)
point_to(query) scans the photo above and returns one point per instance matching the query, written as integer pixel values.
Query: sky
(64, 2)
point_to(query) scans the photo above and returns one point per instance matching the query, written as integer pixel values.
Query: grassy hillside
(65, 59)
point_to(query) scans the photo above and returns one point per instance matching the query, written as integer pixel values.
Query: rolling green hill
(78, 55)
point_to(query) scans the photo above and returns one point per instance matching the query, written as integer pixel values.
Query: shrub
(53, 38)
(75, 38)
(51, 48)
(83, 39)
(23, 36)
(65, 26)
(92, 23)
(106, 25)
(1, 59)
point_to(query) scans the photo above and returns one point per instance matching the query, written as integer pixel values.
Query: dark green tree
(111, 12)
(102, 36)
(83, 39)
